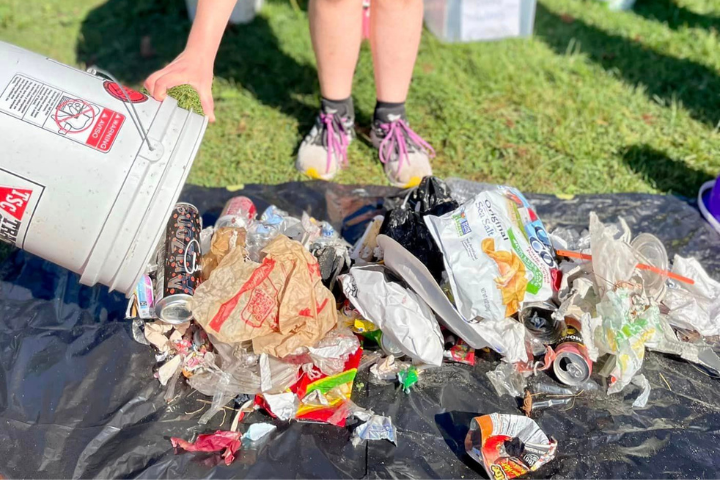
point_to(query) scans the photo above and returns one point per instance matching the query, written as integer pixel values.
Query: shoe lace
(336, 138)
(398, 133)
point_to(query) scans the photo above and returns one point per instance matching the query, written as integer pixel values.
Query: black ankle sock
(344, 108)
(383, 110)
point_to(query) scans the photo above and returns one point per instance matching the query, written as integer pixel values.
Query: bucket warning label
(61, 113)
(19, 197)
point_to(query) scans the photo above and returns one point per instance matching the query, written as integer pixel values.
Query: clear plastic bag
(507, 380)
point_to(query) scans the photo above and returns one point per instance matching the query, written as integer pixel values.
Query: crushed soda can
(572, 365)
(376, 428)
(508, 446)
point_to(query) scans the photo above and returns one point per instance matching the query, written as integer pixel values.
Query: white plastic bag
(399, 312)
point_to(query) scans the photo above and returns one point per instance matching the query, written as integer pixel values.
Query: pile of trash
(276, 313)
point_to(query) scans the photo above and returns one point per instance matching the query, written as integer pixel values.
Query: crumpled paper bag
(280, 304)
(224, 240)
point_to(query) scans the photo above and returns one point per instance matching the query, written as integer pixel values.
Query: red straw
(641, 266)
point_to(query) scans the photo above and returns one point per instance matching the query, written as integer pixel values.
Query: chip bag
(508, 446)
(497, 254)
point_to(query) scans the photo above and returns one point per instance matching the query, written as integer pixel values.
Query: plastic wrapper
(508, 446)
(324, 398)
(332, 352)
(282, 405)
(408, 377)
(224, 240)
(461, 352)
(228, 442)
(492, 261)
(694, 307)
(386, 370)
(642, 399)
(405, 225)
(507, 380)
(399, 312)
(613, 259)
(697, 352)
(629, 321)
(376, 428)
(257, 431)
(281, 304)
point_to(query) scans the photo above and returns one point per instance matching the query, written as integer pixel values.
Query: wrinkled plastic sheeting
(77, 397)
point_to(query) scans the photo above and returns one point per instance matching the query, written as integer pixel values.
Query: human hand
(188, 68)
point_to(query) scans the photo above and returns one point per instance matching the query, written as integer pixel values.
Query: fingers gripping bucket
(80, 186)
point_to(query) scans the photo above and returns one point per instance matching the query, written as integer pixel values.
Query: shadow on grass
(112, 34)
(676, 16)
(662, 76)
(662, 172)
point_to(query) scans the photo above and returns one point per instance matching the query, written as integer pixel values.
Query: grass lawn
(597, 101)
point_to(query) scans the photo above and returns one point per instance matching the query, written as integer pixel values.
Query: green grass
(596, 101)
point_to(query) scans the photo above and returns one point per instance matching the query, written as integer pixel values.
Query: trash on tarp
(257, 431)
(629, 321)
(386, 369)
(282, 405)
(642, 399)
(366, 249)
(572, 364)
(508, 446)
(408, 377)
(376, 428)
(493, 262)
(398, 311)
(507, 380)
(530, 405)
(693, 307)
(227, 441)
(224, 240)
(280, 305)
(405, 225)
(271, 333)
(460, 352)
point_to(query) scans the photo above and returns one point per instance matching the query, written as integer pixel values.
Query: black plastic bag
(405, 225)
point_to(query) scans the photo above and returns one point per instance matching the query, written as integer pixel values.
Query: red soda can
(572, 365)
(238, 212)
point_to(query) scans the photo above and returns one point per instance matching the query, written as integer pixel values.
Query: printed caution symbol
(74, 116)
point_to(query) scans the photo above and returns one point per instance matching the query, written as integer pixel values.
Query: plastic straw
(641, 266)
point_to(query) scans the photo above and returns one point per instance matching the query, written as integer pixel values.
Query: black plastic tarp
(78, 399)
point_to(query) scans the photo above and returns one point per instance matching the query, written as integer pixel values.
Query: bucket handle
(136, 117)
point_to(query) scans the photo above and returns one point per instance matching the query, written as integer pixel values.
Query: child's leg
(336, 31)
(395, 30)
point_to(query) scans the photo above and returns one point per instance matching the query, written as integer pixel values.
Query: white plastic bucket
(243, 12)
(79, 185)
